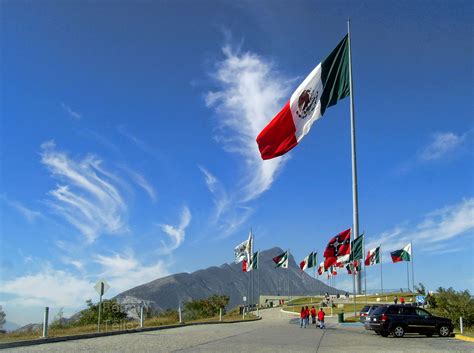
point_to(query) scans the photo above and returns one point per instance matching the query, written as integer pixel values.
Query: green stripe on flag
(335, 75)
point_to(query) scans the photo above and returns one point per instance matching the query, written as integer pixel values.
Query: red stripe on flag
(278, 137)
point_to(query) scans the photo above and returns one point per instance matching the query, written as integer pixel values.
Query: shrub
(453, 305)
(203, 308)
(110, 311)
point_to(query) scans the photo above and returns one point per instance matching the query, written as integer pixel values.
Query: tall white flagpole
(355, 202)
(381, 276)
(412, 268)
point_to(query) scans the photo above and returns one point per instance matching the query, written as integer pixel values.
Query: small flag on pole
(308, 262)
(401, 255)
(373, 256)
(281, 260)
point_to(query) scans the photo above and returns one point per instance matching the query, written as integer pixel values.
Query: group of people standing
(305, 314)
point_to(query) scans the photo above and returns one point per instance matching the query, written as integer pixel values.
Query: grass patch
(361, 299)
(351, 319)
(124, 325)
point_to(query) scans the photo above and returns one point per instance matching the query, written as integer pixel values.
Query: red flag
(244, 266)
(339, 245)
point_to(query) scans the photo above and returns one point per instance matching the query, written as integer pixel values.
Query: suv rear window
(380, 310)
(393, 310)
(365, 309)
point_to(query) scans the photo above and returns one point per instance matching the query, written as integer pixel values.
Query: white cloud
(29, 214)
(143, 183)
(441, 145)
(176, 234)
(124, 271)
(48, 287)
(220, 198)
(86, 197)
(250, 93)
(55, 288)
(432, 232)
(71, 112)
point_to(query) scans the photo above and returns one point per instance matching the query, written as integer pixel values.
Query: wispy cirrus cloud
(86, 196)
(29, 214)
(442, 144)
(250, 92)
(176, 234)
(71, 112)
(141, 181)
(433, 231)
(220, 198)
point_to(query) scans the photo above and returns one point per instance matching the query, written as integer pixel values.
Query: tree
(2, 317)
(454, 305)
(203, 308)
(110, 311)
(420, 289)
(58, 319)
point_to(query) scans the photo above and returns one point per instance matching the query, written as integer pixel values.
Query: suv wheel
(443, 331)
(398, 331)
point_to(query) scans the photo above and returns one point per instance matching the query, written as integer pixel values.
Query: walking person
(395, 300)
(321, 318)
(313, 315)
(303, 317)
(402, 300)
(307, 316)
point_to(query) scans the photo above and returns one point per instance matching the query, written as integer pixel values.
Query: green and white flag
(281, 260)
(309, 261)
(373, 257)
(356, 248)
(402, 255)
(253, 262)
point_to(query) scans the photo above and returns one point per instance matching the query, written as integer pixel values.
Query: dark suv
(401, 319)
(366, 311)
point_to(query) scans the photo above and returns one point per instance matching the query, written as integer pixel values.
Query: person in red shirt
(303, 317)
(321, 318)
(402, 300)
(313, 315)
(307, 316)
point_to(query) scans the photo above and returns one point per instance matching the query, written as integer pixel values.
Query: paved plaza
(276, 332)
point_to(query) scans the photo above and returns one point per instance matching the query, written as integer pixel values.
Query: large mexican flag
(401, 255)
(324, 86)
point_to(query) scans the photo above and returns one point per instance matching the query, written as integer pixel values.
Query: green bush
(110, 311)
(453, 304)
(203, 308)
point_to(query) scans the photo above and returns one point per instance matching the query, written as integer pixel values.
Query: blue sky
(128, 140)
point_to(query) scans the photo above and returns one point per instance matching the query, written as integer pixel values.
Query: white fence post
(220, 314)
(460, 325)
(45, 322)
(179, 314)
(142, 321)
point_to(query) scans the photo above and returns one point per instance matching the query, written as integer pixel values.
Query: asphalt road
(276, 332)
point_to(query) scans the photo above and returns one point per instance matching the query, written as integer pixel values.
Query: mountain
(228, 279)
(10, 326)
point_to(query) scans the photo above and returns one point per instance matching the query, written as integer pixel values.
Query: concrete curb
(463, 338)
(112, 333)
(289, 312)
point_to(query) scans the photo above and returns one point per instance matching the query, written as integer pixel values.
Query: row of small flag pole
(340, 252)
